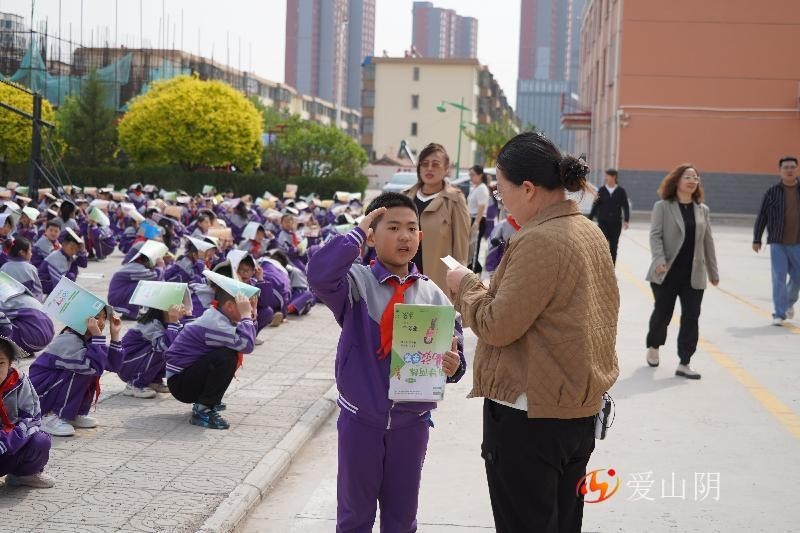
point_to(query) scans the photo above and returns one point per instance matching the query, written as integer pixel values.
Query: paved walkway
(740, 424)
(145, 468)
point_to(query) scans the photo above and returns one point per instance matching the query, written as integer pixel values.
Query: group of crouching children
(192, 351)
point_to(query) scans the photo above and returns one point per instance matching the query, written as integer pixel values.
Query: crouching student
(66, 375)
(203, 358)
(190, 266)
(301, 299)
(248, 271)
(46, 244)
(143, 365)
(23, 321)
(24, 448)
(382, 444)
(146, 265)
(20, 268)
(63, 262)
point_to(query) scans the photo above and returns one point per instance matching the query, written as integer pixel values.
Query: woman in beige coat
(546, 328)
(443, 217)
(683, 255)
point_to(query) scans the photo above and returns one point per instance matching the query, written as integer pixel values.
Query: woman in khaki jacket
(683, 255)
(443, 217)
(546, 328)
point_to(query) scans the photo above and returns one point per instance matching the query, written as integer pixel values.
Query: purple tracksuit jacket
(124, 282)
(24, 450)
(144, 345)
(66, 375)
(211, 331)
(57, 265)
(42, 247)
(23, 321)
(185, 271)
(24, 272)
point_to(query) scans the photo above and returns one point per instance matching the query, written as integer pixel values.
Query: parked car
(462, 182)
(400, 181)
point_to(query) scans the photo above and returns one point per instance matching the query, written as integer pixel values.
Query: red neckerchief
(239, 355)
(387, 318)
(10, 382)
(56, 245)
(513, 222)
(255, 247)
(295, 240)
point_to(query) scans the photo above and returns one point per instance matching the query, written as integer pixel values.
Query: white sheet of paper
(451, 262)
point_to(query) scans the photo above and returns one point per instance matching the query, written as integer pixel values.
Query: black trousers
(533, 466)
(691, 300)
(206, 381)
(612, 229)
(474, 264)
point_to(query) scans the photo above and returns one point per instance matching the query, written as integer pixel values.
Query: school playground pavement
(717, 455)
(145, 468)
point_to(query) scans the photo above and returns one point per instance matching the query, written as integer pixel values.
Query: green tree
(305, 148)
(491, 137)
(193, 123)
(271, 115)
(15, 131)
(88, 126)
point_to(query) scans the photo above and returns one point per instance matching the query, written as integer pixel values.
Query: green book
(161, 295)
(71, 304)
(230, 285)
(96, 214)
(420, 336)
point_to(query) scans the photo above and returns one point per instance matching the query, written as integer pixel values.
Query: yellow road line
(753, 307)
(782, 412)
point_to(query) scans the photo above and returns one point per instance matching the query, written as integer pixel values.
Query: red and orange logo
(598, 481)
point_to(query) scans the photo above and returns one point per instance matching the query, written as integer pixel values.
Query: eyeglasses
(431, 164)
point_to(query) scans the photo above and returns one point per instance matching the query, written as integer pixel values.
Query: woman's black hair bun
(573, 171)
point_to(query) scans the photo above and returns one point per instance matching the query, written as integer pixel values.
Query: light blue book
(71, 304)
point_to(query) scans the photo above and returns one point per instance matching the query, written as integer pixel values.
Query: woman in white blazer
(683, 254)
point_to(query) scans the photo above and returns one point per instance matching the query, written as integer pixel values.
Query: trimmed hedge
(173, 179)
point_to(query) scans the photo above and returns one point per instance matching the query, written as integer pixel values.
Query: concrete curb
(270, 468)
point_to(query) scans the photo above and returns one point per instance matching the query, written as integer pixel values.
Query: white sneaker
(158, 386)
(652, 356)
(777, 321)
(790, 313)
(276, 320)
(686, 372)
(84, 422)
(259, 342)
(136, 392)
(57, 427)
(39, 480)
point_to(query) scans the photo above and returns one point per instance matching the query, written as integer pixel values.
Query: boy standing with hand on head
(382, 444)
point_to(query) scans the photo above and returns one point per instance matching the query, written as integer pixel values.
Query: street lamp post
(461, 108)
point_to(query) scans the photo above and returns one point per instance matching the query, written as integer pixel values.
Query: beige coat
(666, 237)
(445, 231)
(547, 324)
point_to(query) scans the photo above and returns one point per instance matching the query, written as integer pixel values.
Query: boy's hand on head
(115, 326)
(243, 305)
(175, 313)
(451, 360)
(259, 273)
(254, 306)
(366, 222)
(160, 262)
(93, 327)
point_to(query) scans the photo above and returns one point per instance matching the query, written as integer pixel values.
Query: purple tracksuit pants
(30, 459)
(379, 466)
(64, 393)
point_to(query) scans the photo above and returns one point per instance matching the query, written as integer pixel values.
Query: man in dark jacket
(611, 207)
(780, 215)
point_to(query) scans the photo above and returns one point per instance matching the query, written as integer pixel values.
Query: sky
(251, 33)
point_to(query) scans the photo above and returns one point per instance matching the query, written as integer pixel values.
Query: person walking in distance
(683, 255)
(780, 216)
(612, 210)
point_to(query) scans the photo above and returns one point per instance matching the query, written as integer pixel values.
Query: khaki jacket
(666, 237)
(547, 324)
(445, 231)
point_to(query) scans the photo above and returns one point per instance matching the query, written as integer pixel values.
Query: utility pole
(36, 147)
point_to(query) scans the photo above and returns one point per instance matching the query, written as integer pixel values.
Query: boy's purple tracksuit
(57, 265)
(144, 345)
(25, 449)
(278, 277)
(66, 375)
(381, 443)
(23, 321)
(185, 271)
(124, 282)
(42, 247)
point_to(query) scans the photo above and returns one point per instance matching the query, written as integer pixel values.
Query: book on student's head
(161, 295)
(200, 245)
(174, 211)
(71, 304)
(153, 250)
(230, 285)
(9, 287)
(421, 335)
(250, 230)
(208, 189)
(235, 257)
(96, 214)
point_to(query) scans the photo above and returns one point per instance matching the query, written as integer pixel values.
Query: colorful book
(71, 304)
(420, 337)
(230, 285)
(161, 295)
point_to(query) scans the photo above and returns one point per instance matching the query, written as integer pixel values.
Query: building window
(414, 101)
(416, 73)
(413, 129)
